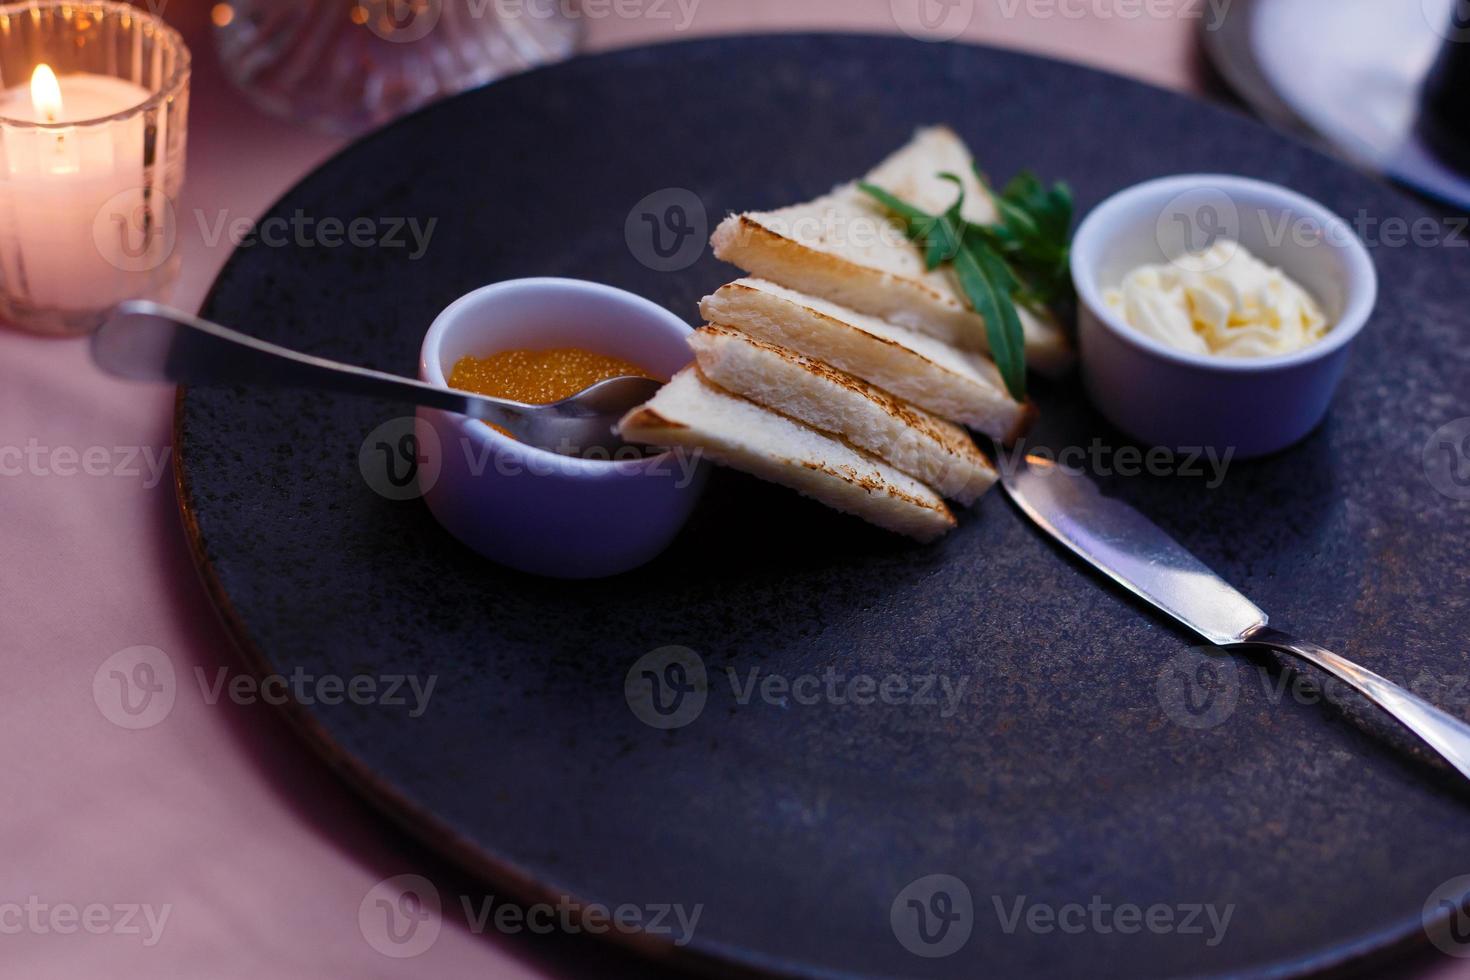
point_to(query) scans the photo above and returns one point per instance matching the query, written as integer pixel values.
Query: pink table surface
(216, 817)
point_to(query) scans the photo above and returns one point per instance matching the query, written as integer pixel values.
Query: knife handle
(1446, 734)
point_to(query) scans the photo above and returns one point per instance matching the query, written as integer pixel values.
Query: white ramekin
(1166, 397)
(535, 510)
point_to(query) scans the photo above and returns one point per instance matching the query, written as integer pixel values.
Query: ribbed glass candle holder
(93, 128)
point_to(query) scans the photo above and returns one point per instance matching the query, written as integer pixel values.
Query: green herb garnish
(1021, 258)
(1033, 234)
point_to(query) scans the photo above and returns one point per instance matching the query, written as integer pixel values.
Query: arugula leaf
(1049, 210)
(920, 226)
(1033, 236)
(988, 285)
(894, 203)
(1022, 258)
(946, 234)
(1015, 218)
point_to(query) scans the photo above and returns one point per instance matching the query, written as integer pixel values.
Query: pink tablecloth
(210, 844)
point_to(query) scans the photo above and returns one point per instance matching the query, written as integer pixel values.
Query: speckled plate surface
(1073, 770)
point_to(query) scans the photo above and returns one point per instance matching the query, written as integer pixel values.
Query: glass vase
(348, 65)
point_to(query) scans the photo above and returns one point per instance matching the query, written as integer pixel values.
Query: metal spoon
(146, 341)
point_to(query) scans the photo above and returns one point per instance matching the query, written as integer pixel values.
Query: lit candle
(94, 109)
(66, 184)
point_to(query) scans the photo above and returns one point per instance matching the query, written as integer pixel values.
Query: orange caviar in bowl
(538, 377)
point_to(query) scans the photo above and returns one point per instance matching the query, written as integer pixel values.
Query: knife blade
(1130, 549)
(1136, 553)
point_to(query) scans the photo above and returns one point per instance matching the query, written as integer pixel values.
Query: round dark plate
(1074, 771)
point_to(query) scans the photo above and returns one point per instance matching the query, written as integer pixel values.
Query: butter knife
(1136, 553)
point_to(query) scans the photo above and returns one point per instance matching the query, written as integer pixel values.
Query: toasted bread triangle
(690, 413)
(844, 247)
(959, 385)
(930, 449)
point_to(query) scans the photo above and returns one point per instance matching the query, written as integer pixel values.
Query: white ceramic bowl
(1166, 397)
(535, 510)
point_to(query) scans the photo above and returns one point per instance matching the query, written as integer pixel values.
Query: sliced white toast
(929, 373)
(933, 451)
(846, 248)
(690, 413)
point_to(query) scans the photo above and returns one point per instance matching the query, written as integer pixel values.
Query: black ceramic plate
(1063, 776)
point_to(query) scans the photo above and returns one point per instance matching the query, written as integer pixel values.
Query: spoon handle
(1446, 734)
(146, 341)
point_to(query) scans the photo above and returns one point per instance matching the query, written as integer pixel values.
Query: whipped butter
(1222, 301)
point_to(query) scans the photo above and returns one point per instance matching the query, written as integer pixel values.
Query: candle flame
(45, 93)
